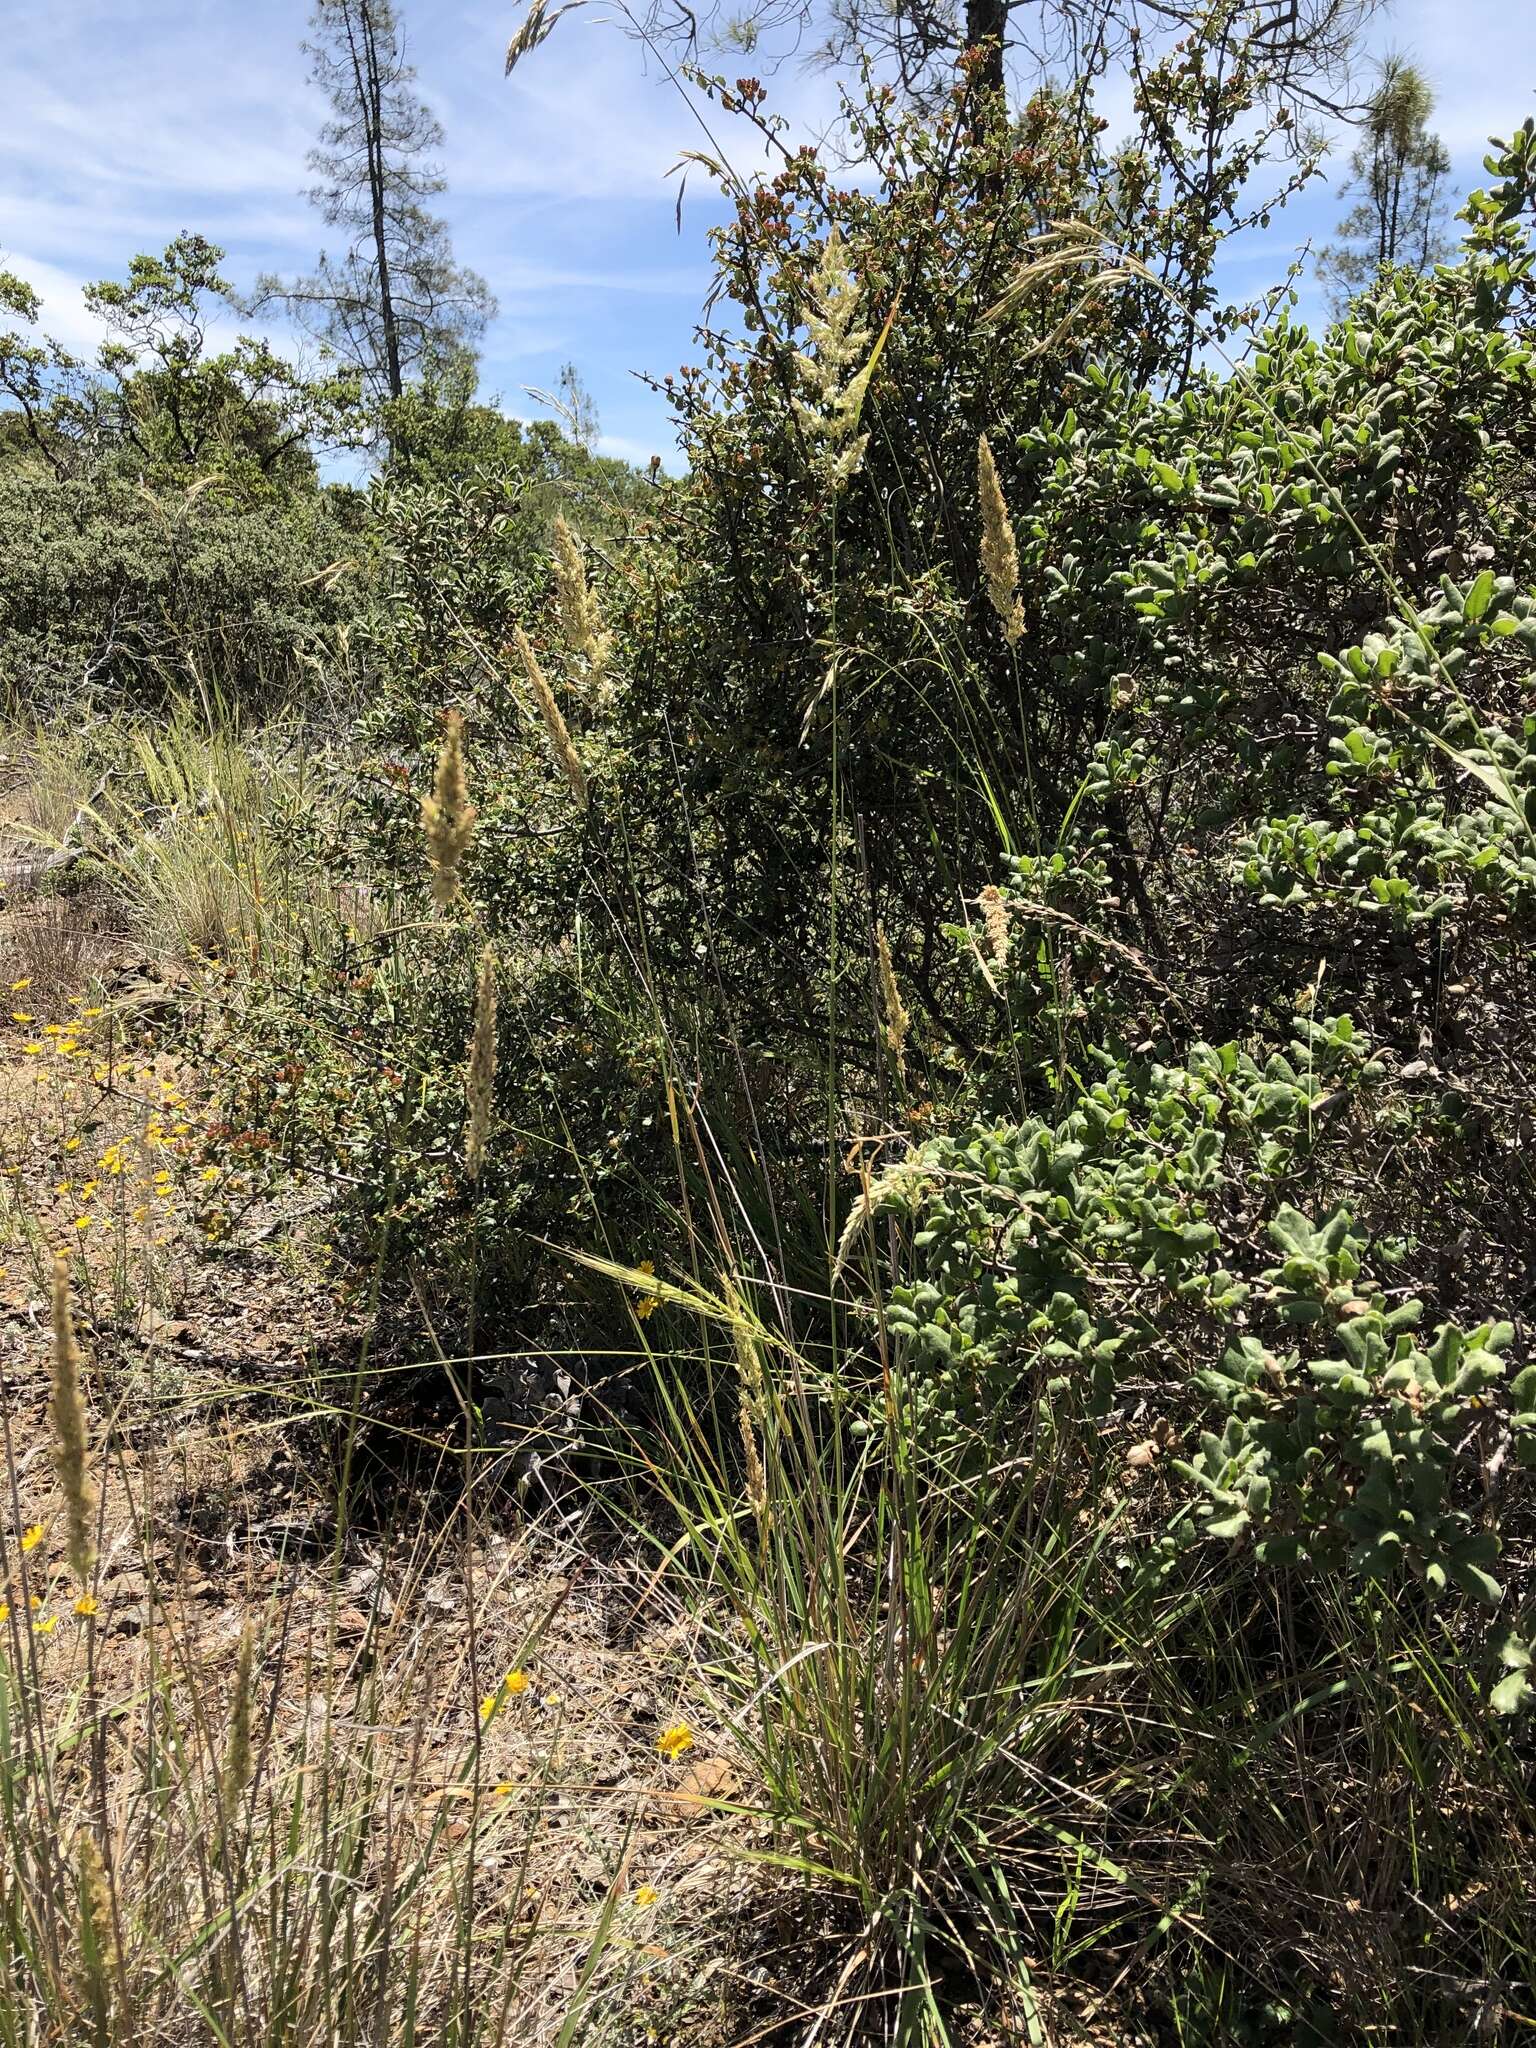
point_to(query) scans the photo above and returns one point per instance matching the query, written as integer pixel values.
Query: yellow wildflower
(25, 982)
(22, 1017)
(86, 1605)
(676, 1739)
(646, 1305)
(646, 1895)
(32, 1537)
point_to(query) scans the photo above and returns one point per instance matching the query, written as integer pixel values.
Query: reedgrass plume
(66, 1412)
(999, 550)
(836, 386)
(584, 632)
(96, 1895)
(536, 25)
(480, 1080)
(994, 911)
(757, 1478)
(906, 1174)
(98, 1945)
(554, 724)
(239, 1763)
(447, 815)
(898, 1020)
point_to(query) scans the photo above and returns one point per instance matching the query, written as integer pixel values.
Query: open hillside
(766, 1268)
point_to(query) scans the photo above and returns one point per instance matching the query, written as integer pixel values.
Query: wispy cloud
(129, 120)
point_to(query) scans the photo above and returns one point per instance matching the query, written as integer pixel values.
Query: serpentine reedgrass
(999, 550)
(905, 1174)
(994, 911)
(239, 1760)
(447, 815)
(98, 1943)
(898, 1020)
(559, 735)
(66, 1412)
(837, 389)
(579, 615)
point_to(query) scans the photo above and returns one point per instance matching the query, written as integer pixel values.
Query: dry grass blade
(537, 23)
(1066, 250)
(66, 1411)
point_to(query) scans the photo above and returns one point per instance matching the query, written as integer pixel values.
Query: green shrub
(113, 592)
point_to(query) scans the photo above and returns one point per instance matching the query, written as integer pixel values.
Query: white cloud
(129, 120)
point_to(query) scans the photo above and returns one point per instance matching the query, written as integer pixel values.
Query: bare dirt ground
(219, 1348)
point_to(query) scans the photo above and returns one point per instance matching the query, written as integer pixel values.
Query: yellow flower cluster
(514, 1683)
(62, 1040)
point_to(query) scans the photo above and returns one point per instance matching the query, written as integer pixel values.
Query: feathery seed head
(994, 911)
(999, 550)
(447, 815)
(831, 302)
(98, 1942)
(579, 615)
(837, 389)
(559, 736)
(238, 1759)
(757, 1478)
(897, 1019)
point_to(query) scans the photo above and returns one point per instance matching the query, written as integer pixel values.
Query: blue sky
(128, 120)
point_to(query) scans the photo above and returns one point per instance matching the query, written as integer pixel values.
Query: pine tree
(393, 299)
(1396, 174)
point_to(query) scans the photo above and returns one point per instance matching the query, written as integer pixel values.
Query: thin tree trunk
(370, 94)
(985, 23)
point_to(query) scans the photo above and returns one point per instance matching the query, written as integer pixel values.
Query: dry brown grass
(387, 1856)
